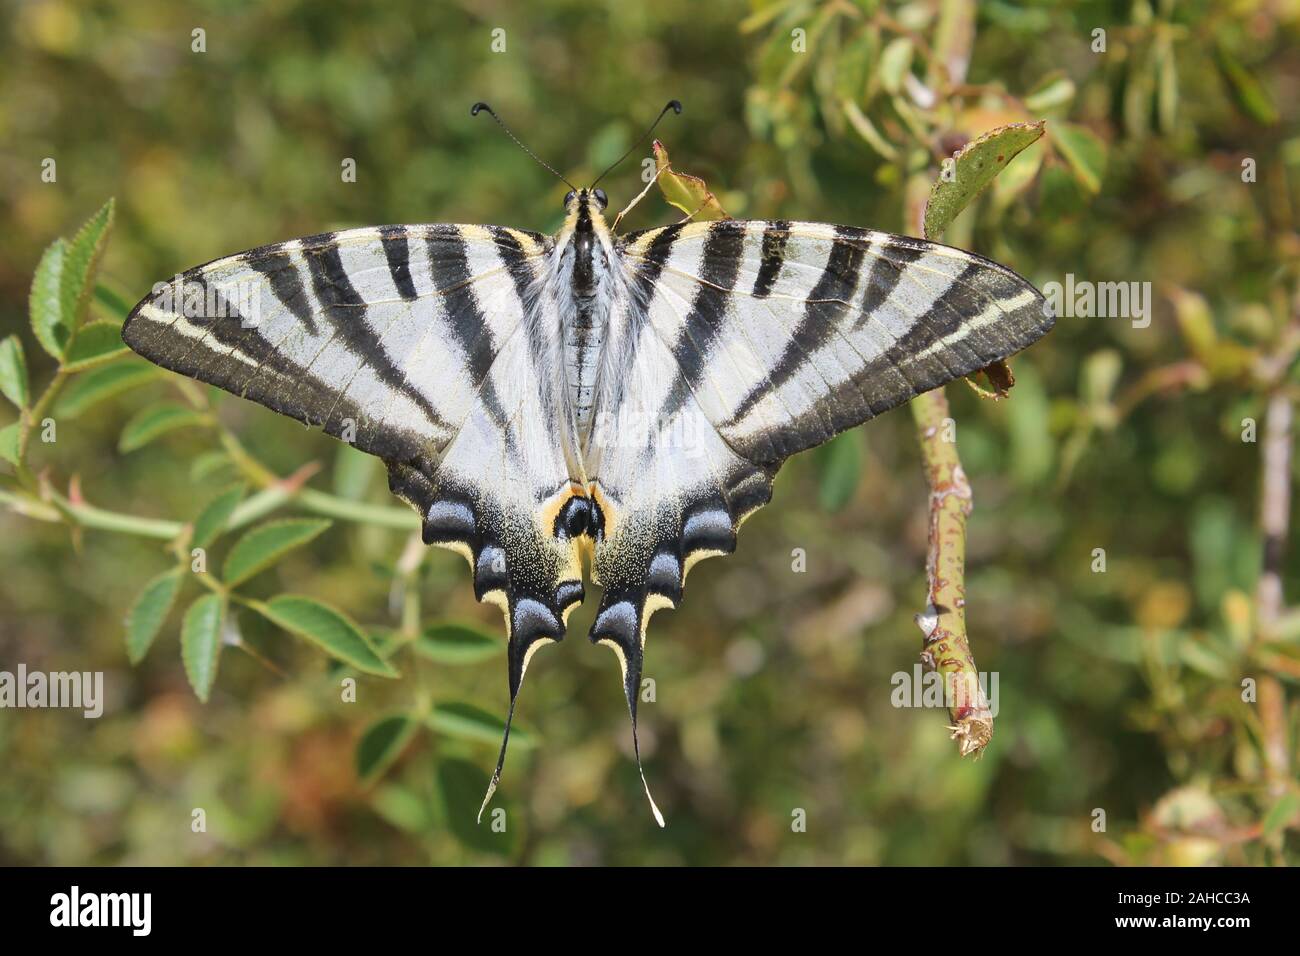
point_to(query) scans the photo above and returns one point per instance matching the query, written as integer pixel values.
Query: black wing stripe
(449, 269)
(286, 283)
(820, 322)
(398, 253)
(771, 257)
(719, 269)
(345, 310)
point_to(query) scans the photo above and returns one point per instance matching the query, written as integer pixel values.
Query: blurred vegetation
(1171, 156)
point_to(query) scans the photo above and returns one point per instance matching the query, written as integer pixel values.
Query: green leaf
(1029, 421)
(353, 471)
(13, 371)
(381, 744)
(1053, 91)
(690, 194)
(155, 421)
(46, 312)
(975, 166)
(1084, 151)
(456, 644)
(147, 614)
(1247, 91)
(95, 386)
(80, 260)
(1281, 814)
(461, 786)
(467, 722)
(895, 61)
(260, 547)
(9, 443)
(201, 643)
(209, 463)
(212, 519)
(62, 285)
(110, 303)
(841, 467)
(402, 807)
(94, 344)
(329, 629)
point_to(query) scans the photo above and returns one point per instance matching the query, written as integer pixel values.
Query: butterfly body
(622, 402)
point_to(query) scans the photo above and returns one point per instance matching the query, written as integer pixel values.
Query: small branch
(88, 516)
(946, 648)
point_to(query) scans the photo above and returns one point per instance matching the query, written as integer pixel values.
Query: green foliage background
(1118, 691)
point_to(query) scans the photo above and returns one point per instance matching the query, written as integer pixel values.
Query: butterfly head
(594, 200)
(584, 210)
(585, 241)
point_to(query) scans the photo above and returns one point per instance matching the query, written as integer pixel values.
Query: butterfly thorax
(583, 286)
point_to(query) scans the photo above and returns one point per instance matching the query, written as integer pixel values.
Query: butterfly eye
(601, 198)
(568, 198)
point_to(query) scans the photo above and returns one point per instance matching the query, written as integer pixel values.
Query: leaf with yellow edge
(975, 166)
(688, 193)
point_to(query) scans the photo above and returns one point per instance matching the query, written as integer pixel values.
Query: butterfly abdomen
(583, 282)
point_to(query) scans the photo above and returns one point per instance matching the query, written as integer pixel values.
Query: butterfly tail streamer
(614, 629)
(636, 749)
(501, 760)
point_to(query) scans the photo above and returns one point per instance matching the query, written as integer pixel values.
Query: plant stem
(943, 623)
(33, 415)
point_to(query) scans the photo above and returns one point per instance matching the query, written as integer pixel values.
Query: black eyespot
(601, 197)
(568, 198)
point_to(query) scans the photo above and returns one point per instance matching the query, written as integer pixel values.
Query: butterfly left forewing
(427, 346)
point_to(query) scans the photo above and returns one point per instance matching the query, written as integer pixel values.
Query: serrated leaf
(201, 643)
(44, 308)
(381, 744)
(155, 421)
(459, 719)
(9, 443)
(1083, 151)
(94, 344)
(63, 282)
(841, 468)
(80, 260)
(461, 786)
(111, 304)
(99, 384)
(211, 521)
(456, 644)
(146, 616)
(690, 194)
(13, 371)
(975, 166)
(262, 546)
(329, 629)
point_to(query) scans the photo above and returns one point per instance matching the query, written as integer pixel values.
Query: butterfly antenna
(484, 108)
(674, 105)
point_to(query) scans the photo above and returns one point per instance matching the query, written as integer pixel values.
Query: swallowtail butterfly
(623, 401)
